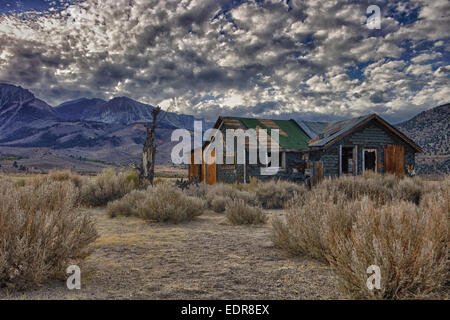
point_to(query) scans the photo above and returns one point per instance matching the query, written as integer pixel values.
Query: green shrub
(132, 176)
(20, 183)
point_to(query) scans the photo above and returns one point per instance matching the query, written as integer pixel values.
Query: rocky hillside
(430, 129)
(19, 108)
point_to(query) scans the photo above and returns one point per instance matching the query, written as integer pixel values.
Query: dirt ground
(203, 259)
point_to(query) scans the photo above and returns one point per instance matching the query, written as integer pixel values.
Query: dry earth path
(203, 259)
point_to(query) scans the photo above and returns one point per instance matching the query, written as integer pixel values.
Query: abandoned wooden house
(315, 150)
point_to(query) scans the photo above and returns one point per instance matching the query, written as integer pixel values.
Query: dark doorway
(370, 159)
(347, 160)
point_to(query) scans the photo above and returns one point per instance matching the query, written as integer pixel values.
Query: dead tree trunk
(149, 151)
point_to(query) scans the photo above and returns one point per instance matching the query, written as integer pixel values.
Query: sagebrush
(41, 232)
(355, 222)
(238, 212)
(162, 203)
(108, 186)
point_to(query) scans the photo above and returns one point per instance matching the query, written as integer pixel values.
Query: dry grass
(308, 223)
(238, 212)
(41, 231)
(66, 175)
(408, 243)
(161, 203)
(108, 186)
(218, 204)
(273, 194)
(401, 226)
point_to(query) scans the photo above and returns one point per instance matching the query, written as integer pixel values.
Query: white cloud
(257, 59)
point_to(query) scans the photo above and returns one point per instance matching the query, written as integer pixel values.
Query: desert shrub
(390, 223)
(227, 191)
(127, 206)
(274, 194)
(238, 212)
(41, 232)
(132, 176)
(308, 223)
(66, 175)
(20, 183)
(378, 187)
(199, 191)
(408, 243)
(218, 204)
(161, 203)
(106, 187)
(160, 180)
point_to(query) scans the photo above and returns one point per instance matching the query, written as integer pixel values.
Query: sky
(312, 59)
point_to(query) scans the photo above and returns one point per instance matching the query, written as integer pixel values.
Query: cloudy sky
(316, 60)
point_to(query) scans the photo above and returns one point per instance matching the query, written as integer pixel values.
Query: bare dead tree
(149, 150)
(147, 168)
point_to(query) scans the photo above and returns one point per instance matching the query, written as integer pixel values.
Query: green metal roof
(291, 135)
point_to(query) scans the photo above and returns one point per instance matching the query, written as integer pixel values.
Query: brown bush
(373, 220)
(41, 232)
(66, 175)
(307, 223)
(127, 206)
(274, 194)
(227, 191)
(106, 187)
(238, 212)
(199, 191)
(161, 203)
(218, 204)
(408, 243)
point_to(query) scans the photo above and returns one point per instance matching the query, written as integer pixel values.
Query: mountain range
(94, 129)
(91, 133)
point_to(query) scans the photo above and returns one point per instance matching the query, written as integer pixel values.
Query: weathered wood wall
(372, 135)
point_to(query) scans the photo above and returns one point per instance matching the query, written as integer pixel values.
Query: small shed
(360, 144)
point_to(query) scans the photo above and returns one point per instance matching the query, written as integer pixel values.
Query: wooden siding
(372, 135)
(394, 158)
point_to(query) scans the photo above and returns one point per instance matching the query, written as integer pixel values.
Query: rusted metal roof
(337, 130)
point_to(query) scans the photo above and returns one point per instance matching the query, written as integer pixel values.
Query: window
(347, 160)
(370, 159)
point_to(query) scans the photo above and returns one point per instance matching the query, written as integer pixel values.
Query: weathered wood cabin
(347, 147)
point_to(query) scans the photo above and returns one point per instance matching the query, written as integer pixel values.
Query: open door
(211, 168)
(394, 159)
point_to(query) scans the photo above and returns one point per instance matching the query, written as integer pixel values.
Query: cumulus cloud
(311, 59)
